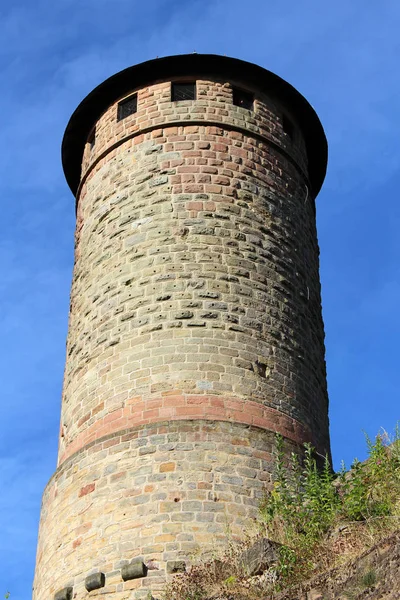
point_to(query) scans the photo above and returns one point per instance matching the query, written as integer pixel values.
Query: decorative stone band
(191, 123)
(175, 407)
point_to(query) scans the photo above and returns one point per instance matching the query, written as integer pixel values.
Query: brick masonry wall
(158, 492)
(195, 300)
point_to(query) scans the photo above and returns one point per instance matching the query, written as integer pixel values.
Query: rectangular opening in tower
(242, 98)
(288, 127)
(127, 107)
(91, 140)
(183, 91)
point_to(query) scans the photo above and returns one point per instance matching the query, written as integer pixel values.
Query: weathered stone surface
(195, 333)
(260, 556)
(134, 570)
(176, 566)
(95, 581)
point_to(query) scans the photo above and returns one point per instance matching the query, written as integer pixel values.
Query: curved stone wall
(195, 334)
(213, 105)
(159, 493)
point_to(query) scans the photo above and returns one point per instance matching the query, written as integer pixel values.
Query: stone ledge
(95, 581)
(134, 570)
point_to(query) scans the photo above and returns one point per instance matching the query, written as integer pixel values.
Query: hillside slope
(374, 575)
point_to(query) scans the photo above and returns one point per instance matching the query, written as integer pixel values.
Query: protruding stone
(95, 581)
(260, 556)
(314, 595)
(64, 594)
(176, 566)
(134, 570)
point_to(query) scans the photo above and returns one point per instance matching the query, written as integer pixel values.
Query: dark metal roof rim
(193, 65)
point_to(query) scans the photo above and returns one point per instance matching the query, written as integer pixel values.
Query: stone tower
(195, 329)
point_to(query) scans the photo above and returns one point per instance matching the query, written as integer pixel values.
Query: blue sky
(343, 56)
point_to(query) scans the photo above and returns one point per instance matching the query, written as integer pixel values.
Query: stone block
(176, 566)
(134, 570)
(314, 595)
(260, 556)
(95, 581)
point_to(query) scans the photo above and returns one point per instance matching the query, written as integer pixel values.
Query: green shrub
(369, 578)
(307, 500)
(300, 508)
(371, 489)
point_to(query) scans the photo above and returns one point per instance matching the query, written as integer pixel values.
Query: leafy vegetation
(309, 507)
(369, 578)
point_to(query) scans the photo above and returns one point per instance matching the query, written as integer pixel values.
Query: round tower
(195, 331)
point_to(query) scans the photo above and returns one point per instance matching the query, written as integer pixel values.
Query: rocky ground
(375, 575)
